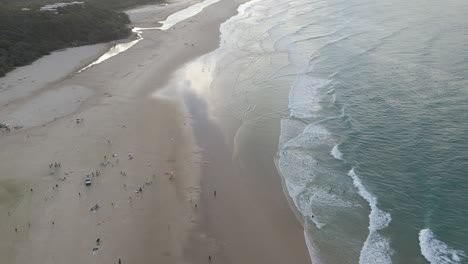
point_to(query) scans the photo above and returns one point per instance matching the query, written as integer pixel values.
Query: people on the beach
(209, 258)
(55, 165)
(214, 193)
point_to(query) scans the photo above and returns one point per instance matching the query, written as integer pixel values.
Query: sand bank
(25, 81)
(29, 95)
(129, 140)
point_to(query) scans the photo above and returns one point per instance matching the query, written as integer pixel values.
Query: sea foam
(436, 251)
(311, 247)
(376, 248)
(336, 153)
(304, 96)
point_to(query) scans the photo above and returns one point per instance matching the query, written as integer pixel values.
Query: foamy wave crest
(304, 97)
(336, 153)
(376, 248)
(297, 166)
(436, 251)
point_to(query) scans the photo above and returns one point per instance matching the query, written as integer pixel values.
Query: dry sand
(53, 221)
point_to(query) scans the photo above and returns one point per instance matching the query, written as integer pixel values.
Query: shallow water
(184, 14)
(116, 49)
(371, 100)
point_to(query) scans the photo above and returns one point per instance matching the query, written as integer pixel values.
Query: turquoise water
(372, 99)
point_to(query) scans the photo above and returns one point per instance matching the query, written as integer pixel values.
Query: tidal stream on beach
(369, 101)
(170, 21)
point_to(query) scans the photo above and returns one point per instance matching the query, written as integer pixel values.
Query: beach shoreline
(152, 179)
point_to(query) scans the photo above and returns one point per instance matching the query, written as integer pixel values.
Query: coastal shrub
(27, 35)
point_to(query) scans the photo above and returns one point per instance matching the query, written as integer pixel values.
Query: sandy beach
(155, 161)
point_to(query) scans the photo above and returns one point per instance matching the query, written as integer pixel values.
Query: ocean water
(372, 101)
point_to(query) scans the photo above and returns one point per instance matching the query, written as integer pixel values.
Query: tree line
(26, 35)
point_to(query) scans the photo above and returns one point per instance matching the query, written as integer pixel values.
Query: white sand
(159, 225)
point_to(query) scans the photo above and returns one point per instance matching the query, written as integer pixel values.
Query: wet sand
(135, 140)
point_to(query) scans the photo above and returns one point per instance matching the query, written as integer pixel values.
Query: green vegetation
(26, 35)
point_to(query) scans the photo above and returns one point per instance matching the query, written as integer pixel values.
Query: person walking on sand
(214, 193)
(120, 261)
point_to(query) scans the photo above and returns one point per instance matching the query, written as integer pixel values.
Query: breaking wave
(376, 249)
(436, 251)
